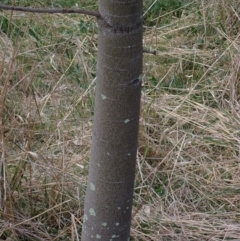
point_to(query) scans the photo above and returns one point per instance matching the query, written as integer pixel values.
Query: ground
(188, 166)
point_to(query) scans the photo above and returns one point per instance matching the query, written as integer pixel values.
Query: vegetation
(187, 184)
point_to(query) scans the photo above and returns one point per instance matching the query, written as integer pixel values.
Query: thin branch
(51, 10)
(154, 52)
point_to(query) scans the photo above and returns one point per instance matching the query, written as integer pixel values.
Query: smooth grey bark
(108, 202)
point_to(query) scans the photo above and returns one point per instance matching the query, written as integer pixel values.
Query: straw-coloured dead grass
(188, 166)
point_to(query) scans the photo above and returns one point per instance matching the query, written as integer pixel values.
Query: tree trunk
(108, 202)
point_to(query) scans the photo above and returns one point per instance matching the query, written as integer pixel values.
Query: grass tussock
(188, 166)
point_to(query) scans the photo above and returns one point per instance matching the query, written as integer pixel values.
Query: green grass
(187, 182)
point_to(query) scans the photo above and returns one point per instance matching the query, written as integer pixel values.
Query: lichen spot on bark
(126, 121)
(98, 236)
(92, 212)
(92, 186)
(85, 218)
(104, 224)
(103, 97)
(115, 236)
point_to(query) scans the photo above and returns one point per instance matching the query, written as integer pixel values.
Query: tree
(108, 202)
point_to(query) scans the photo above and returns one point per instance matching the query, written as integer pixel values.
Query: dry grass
(188, 167)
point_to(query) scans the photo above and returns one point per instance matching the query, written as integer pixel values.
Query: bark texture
(108, 202)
